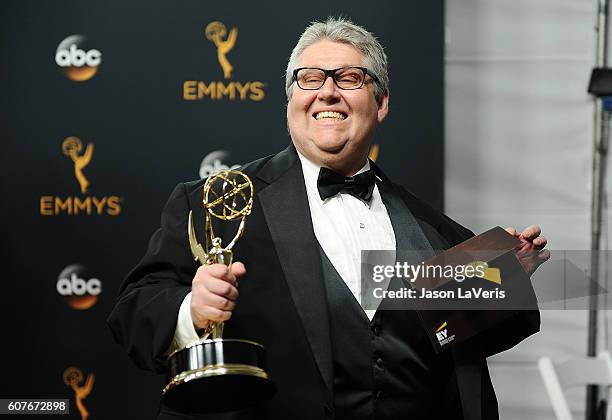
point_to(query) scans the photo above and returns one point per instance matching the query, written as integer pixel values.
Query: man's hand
(214, 292)
(530, 252)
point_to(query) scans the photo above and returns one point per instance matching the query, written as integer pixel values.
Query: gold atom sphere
(228, 195)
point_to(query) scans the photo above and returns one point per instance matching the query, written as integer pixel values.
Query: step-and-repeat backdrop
(105, 106)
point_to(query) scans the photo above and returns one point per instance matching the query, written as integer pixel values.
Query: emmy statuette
(215, 374)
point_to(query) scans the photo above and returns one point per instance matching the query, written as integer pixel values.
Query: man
(317, 204)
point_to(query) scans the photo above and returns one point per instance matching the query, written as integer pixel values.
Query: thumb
(238, 269)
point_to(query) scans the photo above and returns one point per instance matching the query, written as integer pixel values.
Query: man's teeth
(329, 114)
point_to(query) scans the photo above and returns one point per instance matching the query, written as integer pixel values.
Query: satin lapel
(409, 235)
(287, 213)
(387, 188)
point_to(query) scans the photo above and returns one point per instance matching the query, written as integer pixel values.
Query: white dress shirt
(343, 225)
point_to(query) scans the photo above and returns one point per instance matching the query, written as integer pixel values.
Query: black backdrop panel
(67, 243)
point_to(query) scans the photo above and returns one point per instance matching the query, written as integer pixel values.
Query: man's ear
(383, 107)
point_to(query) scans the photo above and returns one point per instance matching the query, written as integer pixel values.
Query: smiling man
(332, 115)
(317, 204)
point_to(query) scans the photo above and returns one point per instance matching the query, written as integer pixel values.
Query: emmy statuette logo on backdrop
(72, 148)
(73, 378)
(83, 204)
(215, 32)
(228, 89)
(374, 151)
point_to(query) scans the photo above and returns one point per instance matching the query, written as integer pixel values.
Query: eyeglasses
(346, 78)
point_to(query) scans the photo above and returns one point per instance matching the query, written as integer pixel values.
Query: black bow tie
(331, 183)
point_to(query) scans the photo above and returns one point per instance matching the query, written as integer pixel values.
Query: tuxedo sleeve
(145, 315)
(509, 332)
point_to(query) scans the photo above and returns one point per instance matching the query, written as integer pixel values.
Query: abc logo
(77, 62)
(78, 287)
(213, 163)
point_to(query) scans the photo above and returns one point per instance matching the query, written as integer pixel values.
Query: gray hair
(345, 31)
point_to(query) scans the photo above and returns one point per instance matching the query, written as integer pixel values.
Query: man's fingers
(213, 314)
(217, 271)
(540, 242)
(531, 232)
(512, 231)
(214, 292)
(223, 288)
(219, 302)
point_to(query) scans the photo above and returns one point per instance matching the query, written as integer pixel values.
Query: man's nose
(329, 90)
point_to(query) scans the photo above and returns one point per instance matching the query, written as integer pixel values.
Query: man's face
(340, 143)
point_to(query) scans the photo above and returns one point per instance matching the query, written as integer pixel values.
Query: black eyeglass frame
(332, 73)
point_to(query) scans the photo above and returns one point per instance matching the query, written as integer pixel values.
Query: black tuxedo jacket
(282, 301)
